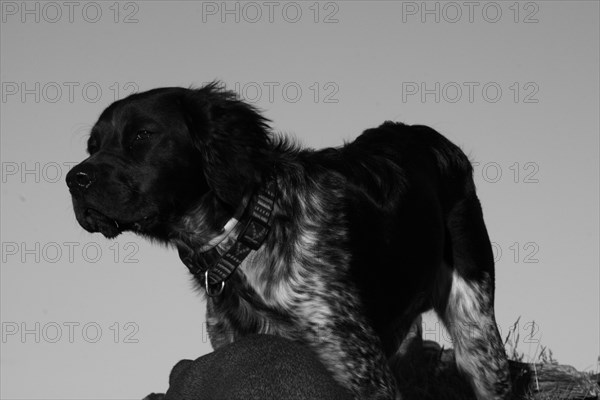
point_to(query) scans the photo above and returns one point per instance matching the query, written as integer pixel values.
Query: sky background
(515, 84)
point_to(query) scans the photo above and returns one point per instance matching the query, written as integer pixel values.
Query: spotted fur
(364, 237)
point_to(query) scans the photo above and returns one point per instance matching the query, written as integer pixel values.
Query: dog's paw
(155, 396)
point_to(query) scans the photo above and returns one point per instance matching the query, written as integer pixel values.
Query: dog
(340, 249)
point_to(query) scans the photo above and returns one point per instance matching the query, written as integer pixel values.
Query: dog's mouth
(96, 221)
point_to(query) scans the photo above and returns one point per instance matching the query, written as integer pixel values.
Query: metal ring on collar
(207, 286)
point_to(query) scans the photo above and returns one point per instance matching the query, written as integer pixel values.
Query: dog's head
(157, 156)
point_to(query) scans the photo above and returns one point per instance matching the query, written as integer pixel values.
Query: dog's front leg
(351, 350)
(220, 331)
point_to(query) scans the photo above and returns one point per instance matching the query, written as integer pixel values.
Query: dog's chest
(287, 286)
(240, 311)
(273, 293)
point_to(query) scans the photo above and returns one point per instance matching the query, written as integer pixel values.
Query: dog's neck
(217, 256)
(206, 224)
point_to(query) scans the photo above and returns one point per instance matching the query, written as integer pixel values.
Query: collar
(225, 233)
(216, 265)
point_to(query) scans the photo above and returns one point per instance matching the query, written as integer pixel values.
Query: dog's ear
(232, 138)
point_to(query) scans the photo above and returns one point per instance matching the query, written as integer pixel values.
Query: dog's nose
(81, 177)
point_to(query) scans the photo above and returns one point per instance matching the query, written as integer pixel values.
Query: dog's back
(418, 241)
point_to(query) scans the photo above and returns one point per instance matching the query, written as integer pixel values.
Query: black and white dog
(340, 248)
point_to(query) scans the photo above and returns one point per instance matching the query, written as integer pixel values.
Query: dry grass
(429, 372)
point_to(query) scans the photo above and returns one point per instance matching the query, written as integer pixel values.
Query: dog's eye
(142, 135)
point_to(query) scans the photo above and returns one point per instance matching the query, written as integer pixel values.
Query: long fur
(365, 237)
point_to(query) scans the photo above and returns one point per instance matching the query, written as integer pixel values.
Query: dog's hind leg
(467, 304)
